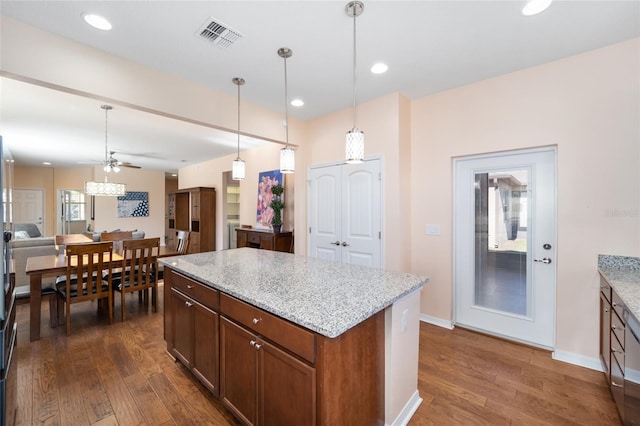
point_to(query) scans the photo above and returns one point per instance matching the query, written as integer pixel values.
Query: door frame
(382, 201)
(44, 206)
(554, 241)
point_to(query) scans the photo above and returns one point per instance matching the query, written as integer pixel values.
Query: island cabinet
(272, 371)
(192, 335)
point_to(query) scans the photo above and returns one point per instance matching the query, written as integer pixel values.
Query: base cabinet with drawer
(612, 342)
(272, 371)
(265, 239)
(193, 338)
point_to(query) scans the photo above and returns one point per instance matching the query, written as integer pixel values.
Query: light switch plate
(430, 229)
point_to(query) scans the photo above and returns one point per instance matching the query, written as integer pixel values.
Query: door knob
(345, 244)
(543, 260)
(337, 243)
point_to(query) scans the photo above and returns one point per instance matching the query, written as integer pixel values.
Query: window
(74, 205)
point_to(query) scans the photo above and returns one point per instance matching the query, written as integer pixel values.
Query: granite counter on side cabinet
(266, 331)
(623, 274)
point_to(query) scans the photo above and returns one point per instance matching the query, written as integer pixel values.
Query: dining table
(53, 266)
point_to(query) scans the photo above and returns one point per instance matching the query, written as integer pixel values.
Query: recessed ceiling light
(379, 68)
(297, 102)
(97, 21)
(46, 163)
(533, 7)
(174, 174)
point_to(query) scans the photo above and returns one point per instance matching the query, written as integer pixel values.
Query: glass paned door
(504, 255)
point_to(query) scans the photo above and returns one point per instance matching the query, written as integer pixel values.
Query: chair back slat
(117, 237)
(182, 244)
(141, 260)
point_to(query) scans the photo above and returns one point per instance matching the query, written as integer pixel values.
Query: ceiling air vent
(218, 33)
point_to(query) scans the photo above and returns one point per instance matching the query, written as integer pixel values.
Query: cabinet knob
(615, 384)
(257, 346)
(256, 321)
(189, 304)
(252, 343)
(189, 286)
(614, 350)
(613, 327)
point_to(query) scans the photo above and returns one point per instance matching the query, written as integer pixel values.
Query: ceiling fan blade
(128, 164)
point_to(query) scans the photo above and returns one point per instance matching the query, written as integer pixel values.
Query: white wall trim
(436, 321)
(408, 411)
(577, 359)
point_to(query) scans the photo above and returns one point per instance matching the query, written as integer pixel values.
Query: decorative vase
(276, 228)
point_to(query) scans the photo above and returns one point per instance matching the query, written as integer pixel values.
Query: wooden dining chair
(140, 271)
(86, 264)
(117, 237)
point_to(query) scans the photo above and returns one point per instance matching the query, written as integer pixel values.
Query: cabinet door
(266, 242)
(182, 332)
(195, 206)
(238, 371)
(286, 388)
(605, 334)
(205, 355)
(242, 238)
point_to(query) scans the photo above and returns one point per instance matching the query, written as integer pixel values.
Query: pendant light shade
(354, 144)
(237, 171)
(105, 188)
(287, 154)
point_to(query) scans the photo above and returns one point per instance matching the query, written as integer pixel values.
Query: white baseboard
(576, 359)
(407, 412)
(436, 321)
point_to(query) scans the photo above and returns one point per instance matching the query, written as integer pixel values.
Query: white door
(345, 213)
(505, 245)
(28, 207)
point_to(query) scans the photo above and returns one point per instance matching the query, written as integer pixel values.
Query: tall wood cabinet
(194, 210)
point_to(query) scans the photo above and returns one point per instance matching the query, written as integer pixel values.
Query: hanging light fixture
(354, 148)
(287, 154)
(105, 188)
(238, 165)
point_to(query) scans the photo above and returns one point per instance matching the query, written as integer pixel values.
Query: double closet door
(345, 213)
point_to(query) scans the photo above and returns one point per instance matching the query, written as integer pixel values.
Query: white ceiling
(430, 46)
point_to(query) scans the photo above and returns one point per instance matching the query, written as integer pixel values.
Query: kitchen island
(287, 339)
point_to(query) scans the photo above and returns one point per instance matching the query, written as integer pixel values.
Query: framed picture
(133, 204)
(264, 212)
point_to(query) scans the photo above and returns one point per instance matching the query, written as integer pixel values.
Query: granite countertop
(623, 274)
(324, 296)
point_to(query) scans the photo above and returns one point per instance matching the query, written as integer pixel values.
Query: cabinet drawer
(291, 337)
(617, 386)
(605, 288)
(253, 237)
(617, 327)
(616, 303)
(203, 294)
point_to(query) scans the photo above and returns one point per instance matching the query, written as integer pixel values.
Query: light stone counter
(623, 274)
(323, 296)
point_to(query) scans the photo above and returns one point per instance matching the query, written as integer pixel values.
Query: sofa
(21, 250)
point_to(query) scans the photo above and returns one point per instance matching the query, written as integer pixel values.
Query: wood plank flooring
(121, 375)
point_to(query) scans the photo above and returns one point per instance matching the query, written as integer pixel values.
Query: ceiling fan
(112, 164)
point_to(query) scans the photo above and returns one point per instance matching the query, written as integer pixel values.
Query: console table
(265, 239)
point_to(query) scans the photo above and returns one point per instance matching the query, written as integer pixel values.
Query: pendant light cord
(354, 65)
(286, 103)
(238, 122)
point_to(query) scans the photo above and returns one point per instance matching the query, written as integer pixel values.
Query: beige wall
(53, 179)
(587, 106)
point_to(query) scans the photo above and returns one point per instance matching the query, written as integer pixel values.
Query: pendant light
(105, 188)
(287, 154)
(238, 165)
(354, 148)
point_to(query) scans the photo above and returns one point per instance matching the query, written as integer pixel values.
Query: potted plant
(277, 205)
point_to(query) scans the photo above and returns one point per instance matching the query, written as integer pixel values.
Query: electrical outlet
(431, 229)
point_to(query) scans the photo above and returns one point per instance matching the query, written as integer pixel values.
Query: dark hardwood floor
(121, 375)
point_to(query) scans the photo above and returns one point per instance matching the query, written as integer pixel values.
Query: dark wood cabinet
(612, 342)
(262, 384)
(193, 338)
(193, 210)
(270, 370)
(265, 239)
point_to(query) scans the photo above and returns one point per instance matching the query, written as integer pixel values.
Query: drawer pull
(189, 286)
(615, 305)
(256, 321)
(614, 327)
(614, 350)
(615, 384)
(189, 304)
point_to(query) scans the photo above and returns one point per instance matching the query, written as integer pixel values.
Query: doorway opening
(230, 209)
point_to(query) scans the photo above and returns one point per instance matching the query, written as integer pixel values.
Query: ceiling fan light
(115, 168)
(287, 160)
(105, 188)
(354, 146)
(533, 7)
(237, 171)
